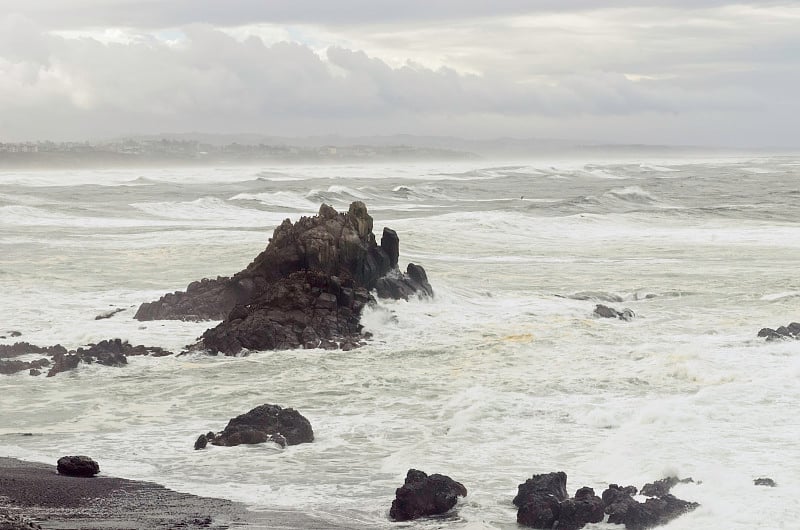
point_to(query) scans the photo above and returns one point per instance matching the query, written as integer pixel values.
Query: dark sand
(35, 493)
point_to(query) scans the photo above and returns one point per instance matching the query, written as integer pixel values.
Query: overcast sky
(703, 72)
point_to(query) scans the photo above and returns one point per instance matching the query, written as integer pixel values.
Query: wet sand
(36, 493)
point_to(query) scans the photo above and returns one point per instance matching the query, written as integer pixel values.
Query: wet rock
(201, 442)
(306, 289)
(768, 482)
(34, 372)
(266, 423)
(624, 509)
(77, 466)
(543, 502)
(604, 311)
(422, 495)
(14, 333)
(792, 331)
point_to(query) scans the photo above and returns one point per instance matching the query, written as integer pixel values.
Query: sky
(700, 72)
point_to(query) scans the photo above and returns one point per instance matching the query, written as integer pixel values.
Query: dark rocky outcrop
(265, 423)
(77, 466)
(422, 495)
(792, 331)
(201, 442)
(112, 352)
(765, 481)
(306, 289)
(543, 502)
(622, 508)
(605, 311)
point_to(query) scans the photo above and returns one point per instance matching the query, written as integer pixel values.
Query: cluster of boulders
(792, 331)
(113, 352)
(306, 289)
(543, 502)
(265, 423)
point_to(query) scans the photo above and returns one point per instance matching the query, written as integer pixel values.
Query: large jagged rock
(265, 423)
(543, 502)
(306, 289)
(422, 495)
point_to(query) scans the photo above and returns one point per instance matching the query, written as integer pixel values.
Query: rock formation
(765, 481)
(422, 495)
(792, 331)
(543, 502)
(265, 423)
(306, 289)
(77, 466)
(112, 352)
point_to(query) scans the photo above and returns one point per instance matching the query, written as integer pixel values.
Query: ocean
(503, 374)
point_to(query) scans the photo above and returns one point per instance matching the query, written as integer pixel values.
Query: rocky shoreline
(34, 496)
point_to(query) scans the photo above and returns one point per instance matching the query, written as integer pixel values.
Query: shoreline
(36, 493)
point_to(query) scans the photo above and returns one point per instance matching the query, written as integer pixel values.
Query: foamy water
(505, 373)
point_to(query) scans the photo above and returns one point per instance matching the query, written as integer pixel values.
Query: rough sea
(505, 373)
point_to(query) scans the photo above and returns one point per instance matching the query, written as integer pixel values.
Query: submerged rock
(663, 486)
(114, 352)
(422, 495)
(265, 423)
(605, 311)
(768, 482)
(77, 466)
(792, 331)
(306, 289)
(108, 314)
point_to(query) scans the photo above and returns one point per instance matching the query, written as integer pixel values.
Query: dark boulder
(306, 289)
(266, 423)
(543, 502)
(604, 311)
(422, 495)
(21, 348)
(201, 442)
(792, 331)
(768, 482)
(77, 466)
(108, 314)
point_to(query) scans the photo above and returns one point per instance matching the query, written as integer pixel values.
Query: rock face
(792, 331)
(306, 289)
(266, 423)
(422, 495)
(77, 466)
(543, 502)
(605, 311)
(624, 509)
(112, 352)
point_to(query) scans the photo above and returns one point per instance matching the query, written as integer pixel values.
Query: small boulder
(422, 495)
(77, 466)
(661, 487)
(201, 442)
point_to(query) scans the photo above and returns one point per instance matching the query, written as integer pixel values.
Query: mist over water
(505, 373)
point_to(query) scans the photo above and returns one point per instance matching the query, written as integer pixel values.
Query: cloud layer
(715, 74)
